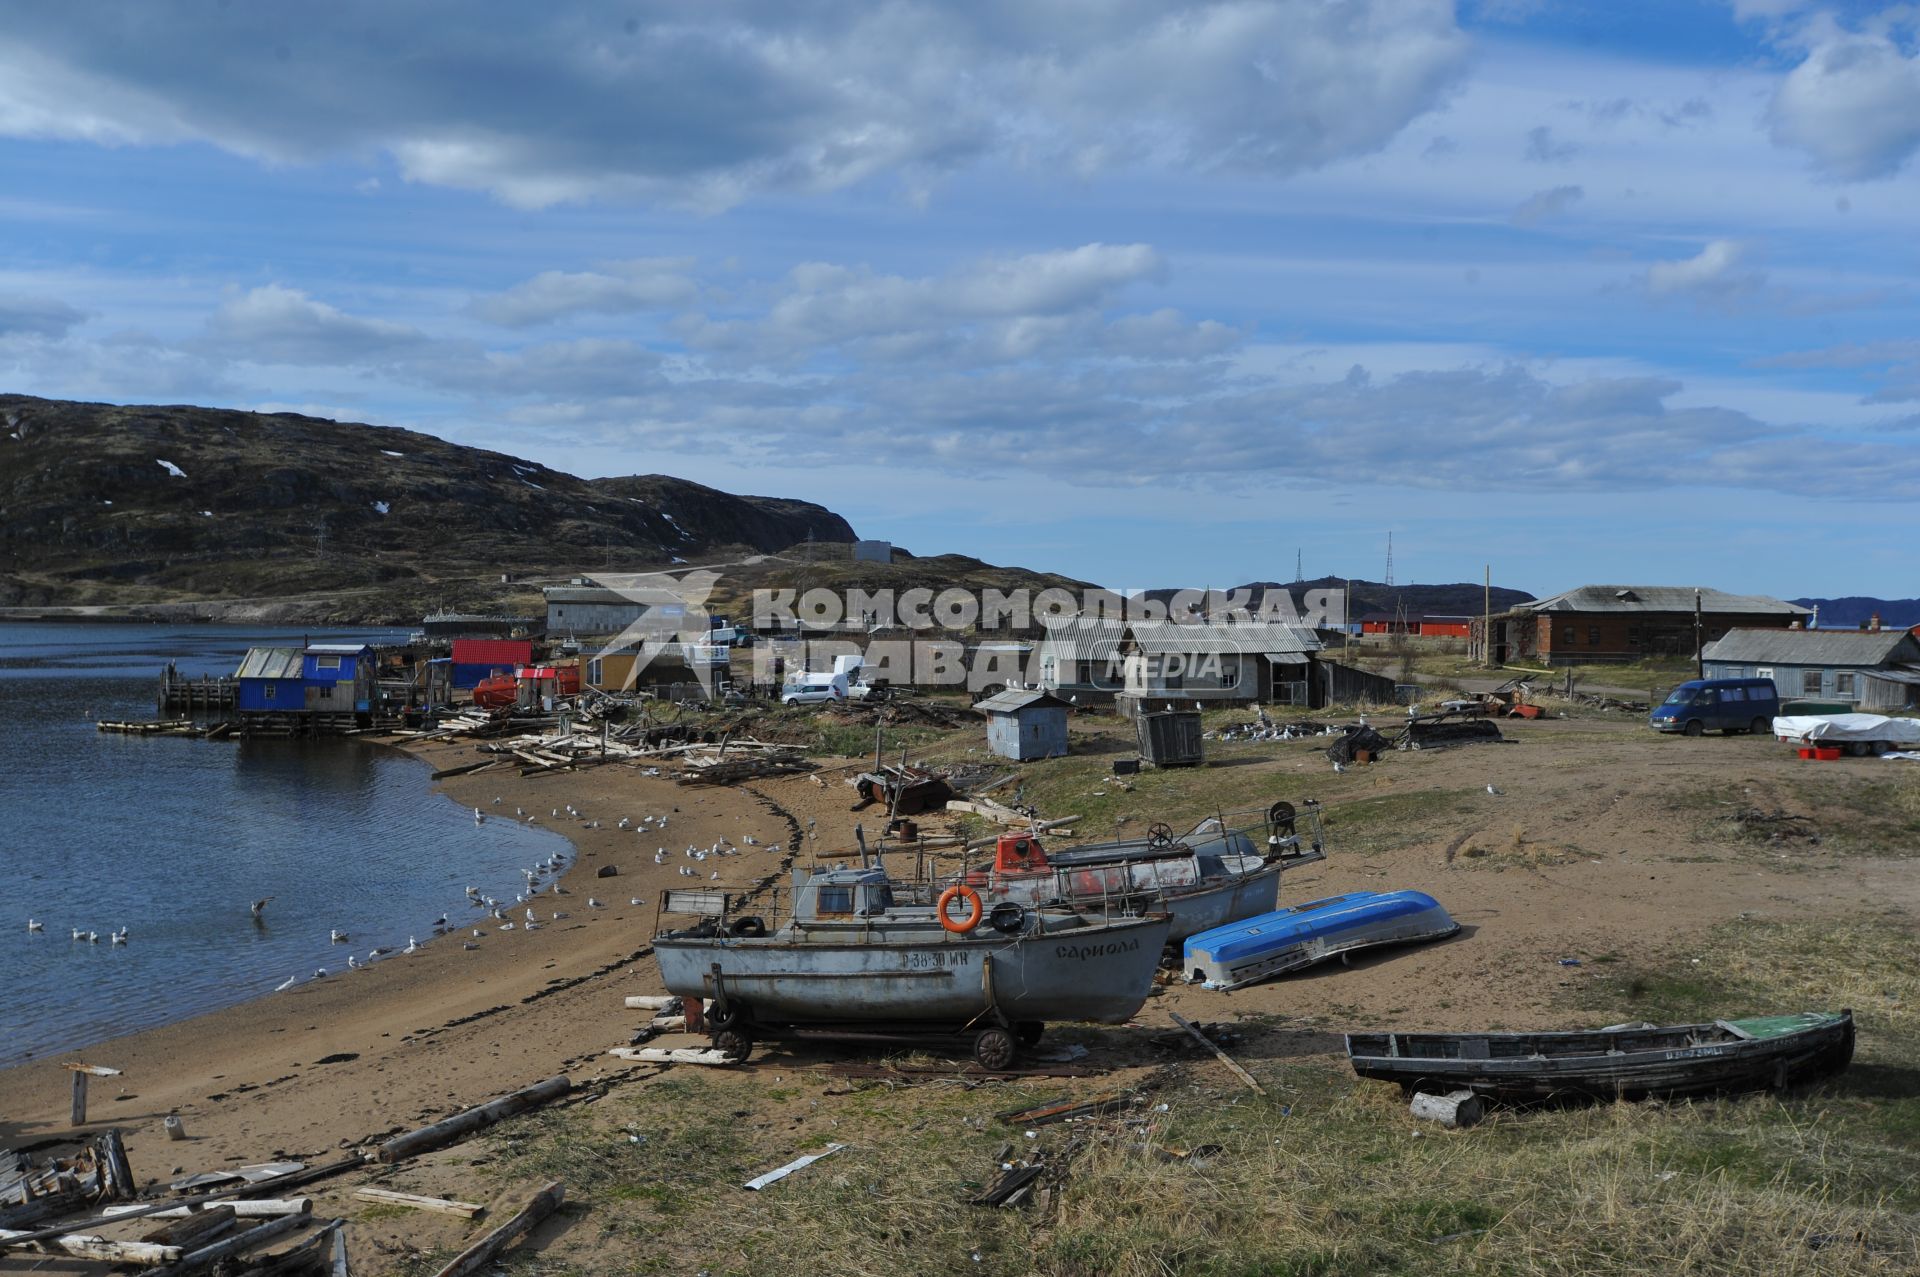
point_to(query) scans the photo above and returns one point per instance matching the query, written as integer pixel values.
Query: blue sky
(1148, 293)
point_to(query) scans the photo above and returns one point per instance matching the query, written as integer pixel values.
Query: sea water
(172, 838)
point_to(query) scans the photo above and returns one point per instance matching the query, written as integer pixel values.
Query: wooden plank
(1225, 1059)
(208, 1256)
(450, 1130)
(438, 1205)
(262, 1208)
(89, 1246)
(483, 1252)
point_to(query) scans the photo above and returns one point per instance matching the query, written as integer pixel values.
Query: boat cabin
(840, 895)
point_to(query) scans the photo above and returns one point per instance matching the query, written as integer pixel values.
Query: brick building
(1627, 623)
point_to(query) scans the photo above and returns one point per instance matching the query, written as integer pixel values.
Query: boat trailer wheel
(725, 1015)
(994, 1049)
(735, 1044)
(1281, 817)
(1029, 1032)
(1160, 834)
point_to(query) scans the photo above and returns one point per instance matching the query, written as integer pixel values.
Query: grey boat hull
(922, 976)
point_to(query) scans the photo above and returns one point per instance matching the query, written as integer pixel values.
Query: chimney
(1873, 624)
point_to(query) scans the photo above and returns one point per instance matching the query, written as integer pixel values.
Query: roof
(335, 649)
(1662, 598)
(1252, 637)
(1013, 699)
(1812, 647)
(270, 662)
(1082, 638)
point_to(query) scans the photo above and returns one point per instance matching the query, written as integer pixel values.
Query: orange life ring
(974, 908)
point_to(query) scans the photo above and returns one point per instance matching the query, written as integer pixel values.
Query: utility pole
(1389, 581)
(1699, 631)
(1486, 619)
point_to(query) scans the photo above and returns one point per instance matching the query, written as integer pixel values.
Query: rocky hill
(101, 504)
(1369, 597)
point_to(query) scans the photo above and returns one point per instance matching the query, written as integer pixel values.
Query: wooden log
(89, 1246)
(337, 1259)
(194, 1230)
(1455, 1110)
(438, 1205)
(208, 1256)
(1225, 1059)
(260, 1208)
(452, 1129)
(681, 1055)
(650, 1002)
(483, 1252)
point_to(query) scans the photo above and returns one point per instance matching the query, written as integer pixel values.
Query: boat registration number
(937, 959)
(1693, 1052)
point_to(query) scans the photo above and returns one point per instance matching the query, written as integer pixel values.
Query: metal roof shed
(1024, 725)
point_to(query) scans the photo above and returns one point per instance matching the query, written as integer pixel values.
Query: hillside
(1463, 599)
(1855, 611)
(101, 504)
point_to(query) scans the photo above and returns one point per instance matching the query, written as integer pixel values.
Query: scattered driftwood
(1455, 1110)
(207, 1256)
(30, 1194)
(1009, 1187)
(89, 1246)
(81, 1072)
(451, 1130)
(413, 1201)
(194, 1229)
(482, 1253)
(1066, 1109)
(1224, 1058)
(652, 1002)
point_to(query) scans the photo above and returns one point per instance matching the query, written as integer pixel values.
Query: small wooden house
(269, 681)
(1025, 725)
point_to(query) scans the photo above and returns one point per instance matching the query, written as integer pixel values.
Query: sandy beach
(338, 1061)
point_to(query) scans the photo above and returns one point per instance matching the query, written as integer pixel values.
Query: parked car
(1730, 704)
(813, 689)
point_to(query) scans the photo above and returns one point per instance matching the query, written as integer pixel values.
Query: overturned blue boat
(1259, 948)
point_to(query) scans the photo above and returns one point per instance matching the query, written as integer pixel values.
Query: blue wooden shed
(339, 677)
(270, 680)
(1022, 725)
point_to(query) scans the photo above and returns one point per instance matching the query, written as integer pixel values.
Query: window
(1566, 635)
(1733, 693)
(1593, 636)
(836, 900)
(271, 689)
(1633, 636)
(1810, 682)
(593, 671)
(1843, 684)
(326, 662)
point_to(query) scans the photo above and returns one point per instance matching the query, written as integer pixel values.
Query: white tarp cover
(1848, 727)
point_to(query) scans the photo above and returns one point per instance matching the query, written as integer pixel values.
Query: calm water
(172, 838)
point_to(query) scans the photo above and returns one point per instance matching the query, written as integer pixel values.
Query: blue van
(1730, 704)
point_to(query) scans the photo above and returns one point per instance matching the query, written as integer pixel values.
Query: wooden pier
(194, 696)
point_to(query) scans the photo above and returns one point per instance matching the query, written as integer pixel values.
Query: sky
(1141, 291)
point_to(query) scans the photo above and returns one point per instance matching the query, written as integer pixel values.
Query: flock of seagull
(537, 881)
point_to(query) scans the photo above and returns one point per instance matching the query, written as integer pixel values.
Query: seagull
(751, 841)
(470, 945)
(337, 936)
(531, 926)
(259, 906)
(635, 900)
(119, 937)
(506, 926)
(1493, 791)
(559, 914)
(592, 903)
(374, 955)
(413, 946)
(478, 819)
(556, 811)
(1339, 766)
(496, 800)
(519, 811)
(319, 973)
(716, 876)
(353, 963)
(529, 913)
(79, 934)
(93, 937)
(440, 923)
(35, 926)
(286, 984)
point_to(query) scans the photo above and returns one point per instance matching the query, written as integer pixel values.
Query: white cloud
(1853, 105)
(1718, 271)
(39, 316)
(708, 105)
(278, 325)
(648, 283)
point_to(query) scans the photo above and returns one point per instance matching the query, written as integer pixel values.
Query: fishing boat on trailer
(853, 963)
(1625, 1061)
(1272, 944)
(1204, 878)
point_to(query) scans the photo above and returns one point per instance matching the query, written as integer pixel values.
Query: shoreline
(337, 1060)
